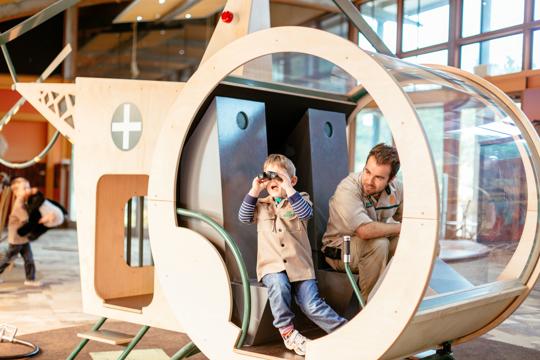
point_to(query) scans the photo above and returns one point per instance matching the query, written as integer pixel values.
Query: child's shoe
(35, 283)
(297, 342)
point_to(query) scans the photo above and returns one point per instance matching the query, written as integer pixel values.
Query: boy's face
(273, 186)
(20, 189)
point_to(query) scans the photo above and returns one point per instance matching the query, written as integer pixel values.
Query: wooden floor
(277, 350)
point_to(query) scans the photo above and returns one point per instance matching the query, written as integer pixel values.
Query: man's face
(375, 177)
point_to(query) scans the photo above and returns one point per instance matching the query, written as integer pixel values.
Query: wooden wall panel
(531, 104)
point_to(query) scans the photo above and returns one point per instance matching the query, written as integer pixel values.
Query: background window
(536, 50)
(499, 56)
(336, 24)
(537, 10)
(470, 57)
(480, 16)
(371, 129)
(436, 57)
(381, 15)
(425, 23)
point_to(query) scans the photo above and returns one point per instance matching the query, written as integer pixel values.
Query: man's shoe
(35, 283)
(296, 342)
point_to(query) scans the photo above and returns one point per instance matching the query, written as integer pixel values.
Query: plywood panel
(530, 104)
(127, 281)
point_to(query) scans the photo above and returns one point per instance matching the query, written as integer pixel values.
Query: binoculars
(270, 175)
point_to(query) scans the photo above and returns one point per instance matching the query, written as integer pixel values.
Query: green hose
(346, 261)
(185, 352)
(189, 350)
(354, 285)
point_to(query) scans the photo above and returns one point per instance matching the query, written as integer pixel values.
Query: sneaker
(296, 342)
(32, 283)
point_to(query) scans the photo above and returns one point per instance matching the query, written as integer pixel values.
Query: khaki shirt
(283, 243)
(349, 208)
(17, 218)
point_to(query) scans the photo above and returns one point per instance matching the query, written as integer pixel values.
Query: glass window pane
(371, 129)
(381, 15)
(336, 24)
(304, 71)
(536, 50)
(504, 55)
(436, 57)
(499, 56)
(480, 158)
(537, 9)
(471, 17)
(470, 57)
(480, 16)
(425, 23)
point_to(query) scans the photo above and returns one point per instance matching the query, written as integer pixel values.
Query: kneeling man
(368, 207)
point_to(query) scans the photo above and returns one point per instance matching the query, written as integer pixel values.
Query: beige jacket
(17, 218)
(283, 243)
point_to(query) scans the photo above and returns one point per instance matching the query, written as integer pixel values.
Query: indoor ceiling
(153, 39)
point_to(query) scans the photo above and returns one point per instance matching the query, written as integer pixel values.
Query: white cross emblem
(131, 123)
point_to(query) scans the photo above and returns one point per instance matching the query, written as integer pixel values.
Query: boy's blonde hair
(18, 180)
(282, 161)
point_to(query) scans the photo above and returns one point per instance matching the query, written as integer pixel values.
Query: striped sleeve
(300, 206)
(247, 209)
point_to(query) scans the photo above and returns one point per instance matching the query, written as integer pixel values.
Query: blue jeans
(306, 295)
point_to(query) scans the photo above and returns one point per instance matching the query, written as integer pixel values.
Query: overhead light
(139, 18)
(181, 52)
(188, 16)
(161, 2)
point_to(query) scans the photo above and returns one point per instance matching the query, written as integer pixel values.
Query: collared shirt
(350, 208)
(283, 243)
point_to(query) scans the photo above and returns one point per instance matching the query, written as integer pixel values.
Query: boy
(284, 263)
(19, 244)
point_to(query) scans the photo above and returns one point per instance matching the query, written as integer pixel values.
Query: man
(368, 207)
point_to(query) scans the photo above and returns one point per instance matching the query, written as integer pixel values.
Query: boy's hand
(257, 185)
(286, 183)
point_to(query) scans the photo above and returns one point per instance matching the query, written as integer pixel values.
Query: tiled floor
(57, 303)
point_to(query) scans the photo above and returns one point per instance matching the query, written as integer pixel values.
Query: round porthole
(328, 129)
(126, 126)
(242, 120)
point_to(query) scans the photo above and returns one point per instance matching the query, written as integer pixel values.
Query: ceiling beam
(14, 9)
(20, 9)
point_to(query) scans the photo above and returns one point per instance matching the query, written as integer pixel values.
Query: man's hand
(257, 185)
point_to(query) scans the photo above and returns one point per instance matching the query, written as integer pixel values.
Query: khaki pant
(368, 259)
